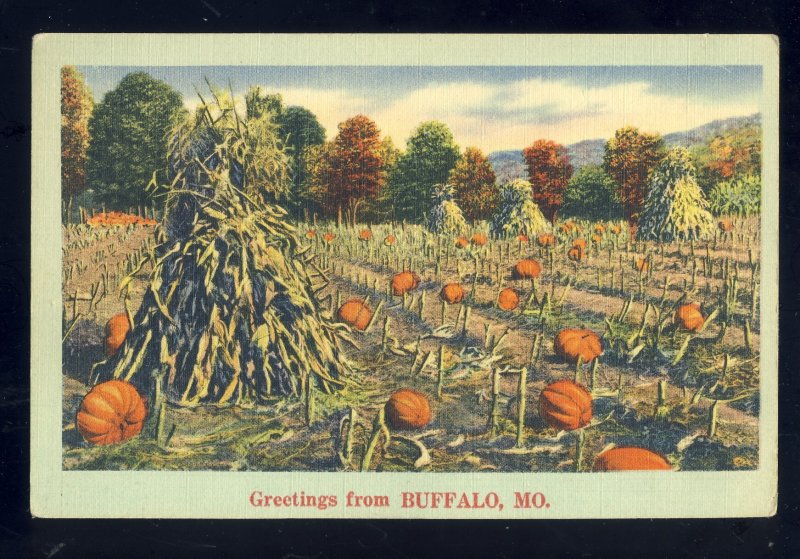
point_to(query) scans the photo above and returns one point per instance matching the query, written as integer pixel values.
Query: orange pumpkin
(641, 265)
(566, 405)
(328, 237)
(404, 282)
(599, 228)
(616, 229)
(575, 254)
(479, 239)
(564, 228)
(407, 409)
(462, 242)
(117, 329)
(579, 243)
(508, 300)
(630, 458)
(389, 240)
(111, 412)
(596, 239)
(452, 293)
(689, 317)
(310, 234)
(522, 238)
(355, 313)
(526, 269)
(546, 240)
(572, 343)
(725, 225)
(365, 235)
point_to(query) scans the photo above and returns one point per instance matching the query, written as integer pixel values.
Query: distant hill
(508, 164)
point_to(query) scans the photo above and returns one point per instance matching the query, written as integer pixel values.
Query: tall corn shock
(230, 313)
(518, 213)
(445, 217)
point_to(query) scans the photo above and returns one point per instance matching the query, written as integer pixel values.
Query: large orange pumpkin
(575, 254)
(479, 239)
(630, 458)
(526, 269)
(566, 405)
(462, 242)
(579, 243)
(689, 317)
(365, 235)
(508, 300)
(404, 282)
(452, 293)
(116, 330)
(546, 240)
(572, 343)
(408, 409)
(355, 313)
(596, 239)
(111, 412)
(725, 225)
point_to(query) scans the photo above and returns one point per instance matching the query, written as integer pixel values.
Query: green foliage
(592, 195)
(736, 152)
(128, 139)
(675, 207)
(431, 152)
(76, 108)
(258, 103)
(445, 217)
(518, 213)
(740, 196)
(300, 130)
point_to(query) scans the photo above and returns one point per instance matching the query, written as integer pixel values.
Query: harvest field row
(691, 397)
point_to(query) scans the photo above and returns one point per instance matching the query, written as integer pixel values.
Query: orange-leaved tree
(355, 166)
(474, 181)
(76, 108)
(629, 158)
(549, 171)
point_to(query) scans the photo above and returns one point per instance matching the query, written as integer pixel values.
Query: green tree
(431, 152)
(675, 207)
(129, 133)
(76, 108)
(629, 157)
(592, 195)
(474, 181)
(301, 130)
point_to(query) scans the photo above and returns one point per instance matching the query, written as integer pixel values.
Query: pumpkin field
(579, 349)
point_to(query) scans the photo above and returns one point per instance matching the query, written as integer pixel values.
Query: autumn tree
(629, 158)
(474, 181)
(431, 152)
(549, 171)
(129, 132)
(731, 154)
(76, 108)
(355, 167)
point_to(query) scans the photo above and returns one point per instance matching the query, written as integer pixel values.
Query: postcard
(404, 276)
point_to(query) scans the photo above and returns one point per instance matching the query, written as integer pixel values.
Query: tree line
(113, 149)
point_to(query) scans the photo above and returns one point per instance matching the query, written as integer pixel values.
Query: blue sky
(488, 107)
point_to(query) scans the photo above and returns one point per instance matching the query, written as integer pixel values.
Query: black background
(22, 536)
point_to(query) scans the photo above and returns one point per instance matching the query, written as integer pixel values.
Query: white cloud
(512, 115)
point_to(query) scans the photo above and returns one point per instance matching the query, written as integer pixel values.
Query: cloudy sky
(493, 108)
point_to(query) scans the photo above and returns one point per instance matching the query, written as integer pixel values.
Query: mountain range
(509, 164)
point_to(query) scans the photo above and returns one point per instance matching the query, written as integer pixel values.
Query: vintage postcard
(404, 276)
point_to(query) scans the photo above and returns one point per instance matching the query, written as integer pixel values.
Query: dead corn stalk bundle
(230, 314)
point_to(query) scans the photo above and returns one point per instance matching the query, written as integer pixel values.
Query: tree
(549, 172)
(591, 195)
(431, 152)
(355, 167)
(383, 206)
(258, 103)
(733, 153)
(76, 108)
(474, 181)
(675, 207)
(445, 217)
(129, 132)
(301, 130)
(517, 213)
(629, 157)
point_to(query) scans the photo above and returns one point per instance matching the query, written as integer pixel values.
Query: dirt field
(707, 418)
